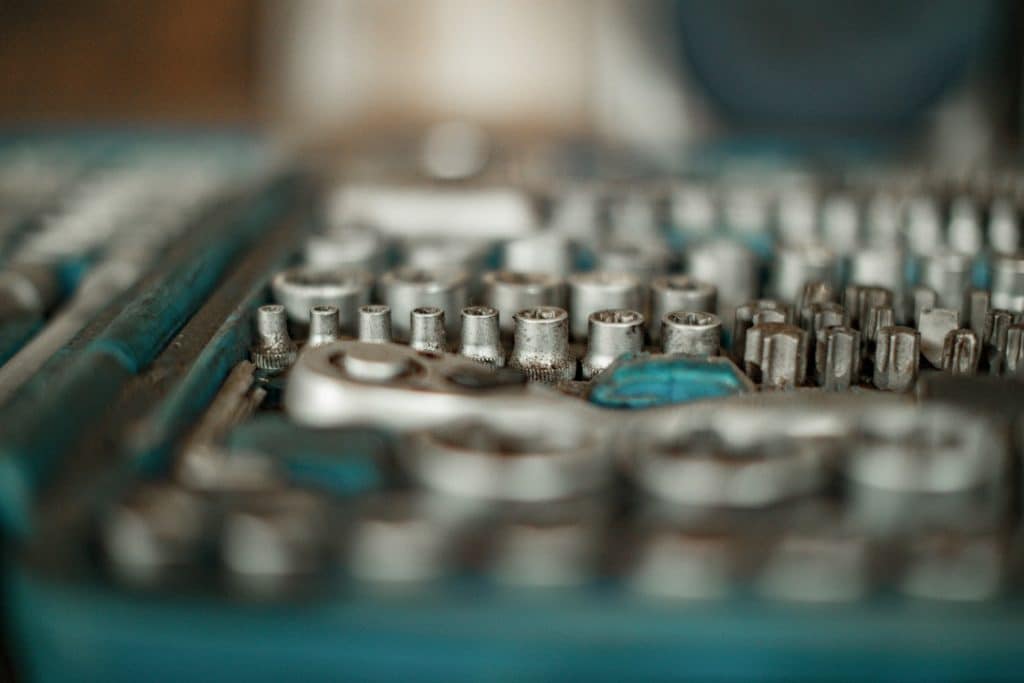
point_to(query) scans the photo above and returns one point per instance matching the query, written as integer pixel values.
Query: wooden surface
(127, 60)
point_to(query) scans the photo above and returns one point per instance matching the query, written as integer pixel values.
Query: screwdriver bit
(897, 351)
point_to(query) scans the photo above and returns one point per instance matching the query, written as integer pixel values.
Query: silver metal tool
(506, 464)
(375, 324)
(826, 566)
(427, 330)
(541, 344)
(1013, 360)
(961, 352)
(934, 324)
(612, 333)
(916, 300)
(954, 567)
(511, 291)
(924, 225)
(324, 325)
(156, 528)
(596, 291)
(728, 265)
(816, 292)
(481, 336)
(948, 272)
(642, 261)
(859, 299)
(965, 230)
(691, 334)
(300, 289)
(351, 247)
(776, 355)
(684, 564)
(546, 546)
(406, 288)
(744, 319)
(997, 324)
(796, 265)
(1004, 233)
(897, 350)
(399, 540)
(878, 267)
(701, 469)
(838, 358)
(841, 223)
(978, 303)
(672, 293)
(549, 254)
(273, 349)
(1008, 282)
(269, 539)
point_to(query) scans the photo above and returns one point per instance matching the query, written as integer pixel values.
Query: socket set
(711, 425)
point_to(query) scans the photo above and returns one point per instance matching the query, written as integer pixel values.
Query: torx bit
(897, 351)
(776, 355)
(838, 357)
(1013, 363)
(961, 352)
(997, 322)
(744, 319)
(934, 324)
(859, 299)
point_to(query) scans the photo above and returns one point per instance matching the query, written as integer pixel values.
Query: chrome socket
(300, 289)
(405, 289)
(375, 324)
(1008, 283)
(878, 267)
(795, 266)
(481, 337)
(324, 326)
(597, 291)
(273, 349)
(613, 333)
(948, 272)
(731, 267)
(691, 334)
(675, 293)
(510, 291)
(541, 345)
(427, 330)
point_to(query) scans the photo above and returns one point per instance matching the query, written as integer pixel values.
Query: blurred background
(942, 76)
